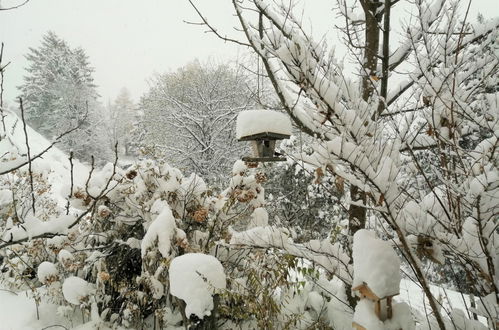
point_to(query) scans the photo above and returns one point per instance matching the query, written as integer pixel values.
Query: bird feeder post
(377, 308)
(389, 308)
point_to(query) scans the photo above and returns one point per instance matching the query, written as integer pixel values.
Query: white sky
(128, 41)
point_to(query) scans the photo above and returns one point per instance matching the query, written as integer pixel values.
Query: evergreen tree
(122, 115)
(59, 93)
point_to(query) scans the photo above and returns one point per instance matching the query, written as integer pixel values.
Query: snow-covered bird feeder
(382, 305)
(263, 128)
(376, 279)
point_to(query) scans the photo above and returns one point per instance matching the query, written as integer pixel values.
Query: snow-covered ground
(54, 163)
(18, 311)
(413, 295)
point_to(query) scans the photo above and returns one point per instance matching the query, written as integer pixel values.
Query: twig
(14, 293)
(2, 69)
(55, 325)
(104, 190)
(71, 188)
(404, 88)
(31, 287)
(29, 155)
(212, 29)
(92, 167)
(15, 7)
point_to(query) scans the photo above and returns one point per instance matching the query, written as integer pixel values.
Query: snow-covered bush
(107, 243)
(414, 160)
(204, 273)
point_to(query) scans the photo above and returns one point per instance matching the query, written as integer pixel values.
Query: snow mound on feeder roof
(194, 278)
(376, 264)
(251, 122)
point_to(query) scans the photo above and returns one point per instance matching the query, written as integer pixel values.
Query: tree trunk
(356, 213)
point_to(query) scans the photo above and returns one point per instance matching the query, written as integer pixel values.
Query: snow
(76, 290)
(194, 278)
(364, 315)
(53, 166)
(260, 236)
(32, 227)
(251, 122)
(18, 311)
(161, 230)
(157, 288)
(316, 302)
(401, 318)
(194, 184)
(412, 294)
(259, 218)
(47, 272)
(65, 257)
(375, 264)
(460, 321)
(239, 168)
(5, 197)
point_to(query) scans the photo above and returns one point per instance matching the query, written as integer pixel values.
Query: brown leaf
(319, 173)
(381, 200)
(430, 131)
(340, 184)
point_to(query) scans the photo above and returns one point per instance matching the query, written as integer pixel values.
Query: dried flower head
(104, 276)
(200, 215)
(131, 174)
(260, 177)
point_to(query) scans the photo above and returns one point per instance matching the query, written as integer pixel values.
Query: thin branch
(2, 69)
(413, 81)
(213, 29)
(15, 7)
(54, 326)
(92, 168)
(71, 187)
(29, 155)
(385, 59)
(273, 79)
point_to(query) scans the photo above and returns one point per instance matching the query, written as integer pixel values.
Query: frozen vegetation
(142, 215)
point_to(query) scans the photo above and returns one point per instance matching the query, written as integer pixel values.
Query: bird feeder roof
(262, 124)
(365, 291)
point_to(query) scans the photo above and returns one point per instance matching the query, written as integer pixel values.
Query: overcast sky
(127, 41)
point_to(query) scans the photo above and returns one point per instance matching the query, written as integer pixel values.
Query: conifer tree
(59, 93)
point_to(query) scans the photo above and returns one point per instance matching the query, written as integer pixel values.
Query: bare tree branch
(15, 7)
